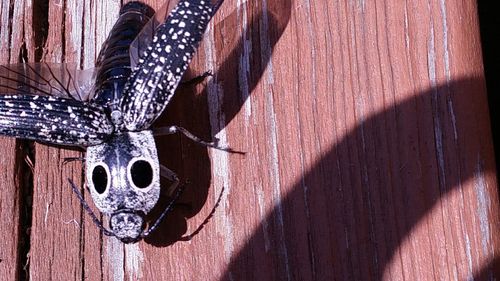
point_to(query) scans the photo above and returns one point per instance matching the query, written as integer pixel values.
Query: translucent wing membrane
(50, 79)
(162, 64)
(53, 120)
(145, 37)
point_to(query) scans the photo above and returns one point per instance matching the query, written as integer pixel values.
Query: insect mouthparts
(127, 225)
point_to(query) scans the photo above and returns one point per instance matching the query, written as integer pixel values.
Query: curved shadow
(190, 160)
(490, 272)
(347, 216)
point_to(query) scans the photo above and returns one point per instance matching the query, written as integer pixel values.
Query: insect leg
(66, 160)
(169, 207)
(171, 176)
(176, 129)
(197, 79)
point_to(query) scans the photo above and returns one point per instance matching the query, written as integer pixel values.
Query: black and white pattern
(160, 69)
(53, 120)
(110, 109)
(47, 102)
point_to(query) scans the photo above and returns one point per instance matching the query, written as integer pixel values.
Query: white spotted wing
(145, 37)
(162, 63)
(50, 102)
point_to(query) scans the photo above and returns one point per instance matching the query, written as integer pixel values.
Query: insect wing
(49, 79)
(46, 102)
(53, 120)
(160, 69)
(145, 37)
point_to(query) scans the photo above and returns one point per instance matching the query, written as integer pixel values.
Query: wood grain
(11, 161)
(367, 138)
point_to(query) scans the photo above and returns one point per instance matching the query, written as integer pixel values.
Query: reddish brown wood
(56, 242)
(11, 162)
(367, 139)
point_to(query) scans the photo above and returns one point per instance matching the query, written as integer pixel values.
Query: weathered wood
(367, 140)
(11, 162)
(55, 251)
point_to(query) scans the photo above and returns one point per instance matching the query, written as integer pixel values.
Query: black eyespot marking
(142, 173)
(100, 179)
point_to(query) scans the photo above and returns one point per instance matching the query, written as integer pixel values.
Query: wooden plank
(12, 165)
(56, 226)
(367, 140)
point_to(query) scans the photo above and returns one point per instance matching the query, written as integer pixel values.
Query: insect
(109, 111)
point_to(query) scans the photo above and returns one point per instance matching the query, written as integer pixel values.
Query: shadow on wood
(355, 226)
(190, 158)
(368, 150)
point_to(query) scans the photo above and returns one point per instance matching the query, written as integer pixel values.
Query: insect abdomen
(114, 60)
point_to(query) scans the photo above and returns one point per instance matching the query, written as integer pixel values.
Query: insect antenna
(89, 211)
(155, 225)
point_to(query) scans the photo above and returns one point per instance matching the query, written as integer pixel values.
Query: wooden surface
(366, 131)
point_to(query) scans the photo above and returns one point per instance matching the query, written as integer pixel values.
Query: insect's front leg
(176, 129)
(171, 176)
(196, 80)
(67, 160)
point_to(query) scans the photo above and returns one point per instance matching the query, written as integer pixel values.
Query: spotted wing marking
(53, 120)
(160, 69)
(145, 37)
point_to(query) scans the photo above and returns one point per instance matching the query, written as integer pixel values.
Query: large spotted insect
(110, 110)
